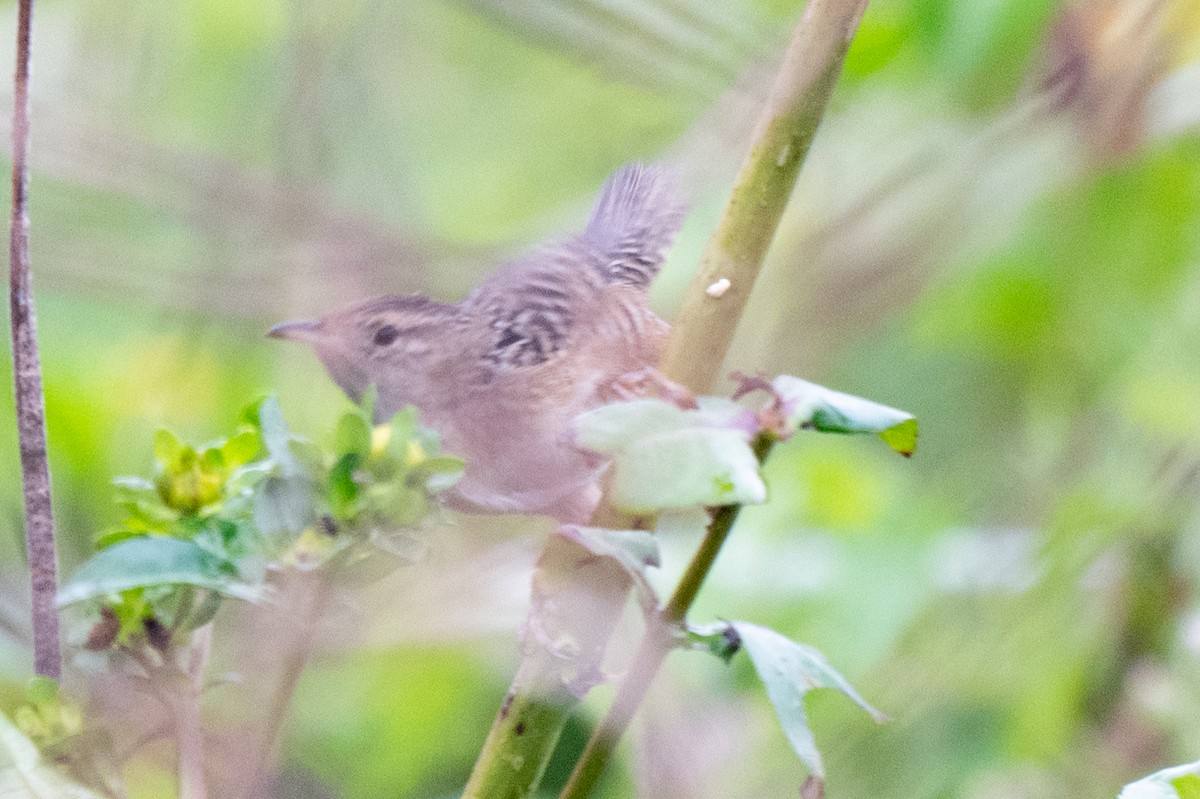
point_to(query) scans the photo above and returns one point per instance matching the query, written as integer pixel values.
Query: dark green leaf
(808, 405)
(152, 561)
(789, 670)
(720, 639)
(343, 487)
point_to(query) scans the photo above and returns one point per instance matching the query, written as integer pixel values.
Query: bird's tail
(634, 221)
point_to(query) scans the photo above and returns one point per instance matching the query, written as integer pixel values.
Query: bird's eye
(385, 335)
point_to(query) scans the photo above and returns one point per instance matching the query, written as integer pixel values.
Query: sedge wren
(502, 373)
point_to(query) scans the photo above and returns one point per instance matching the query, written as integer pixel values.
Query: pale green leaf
(633, 549)
(241, 447)
(610, 428)
(693, 466)
(667, 457)
(25, 775)
(789, 670)
(149, 561)
(284, 504)
(167, 448)
(1178, 782)
(276, 437)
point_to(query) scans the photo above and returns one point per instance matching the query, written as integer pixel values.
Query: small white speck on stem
(718, 288)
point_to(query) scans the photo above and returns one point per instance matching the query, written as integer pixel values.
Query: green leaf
(666, 457)
(367, 405)
(789, 670)
(611, 428)
(152, 561)
(353, 435)
(1178, 782)
(808, 405)
(438, 473)
(720, 640)
(212, 460)
(167, 448)
(343, 487)
(697, 466)
(241, 448)
(24, 775)
(901, 437)
(42, 690)
(276, 437)
(284, 505)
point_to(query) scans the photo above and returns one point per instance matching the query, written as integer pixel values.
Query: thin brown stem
(27, 379)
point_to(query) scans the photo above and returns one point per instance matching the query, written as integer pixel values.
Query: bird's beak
(299, 330)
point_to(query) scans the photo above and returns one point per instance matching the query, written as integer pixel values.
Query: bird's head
(391, 342)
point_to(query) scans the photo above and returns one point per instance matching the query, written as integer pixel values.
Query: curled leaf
(788, 671)
(1178, 782)
(633, 550)
(808, 405)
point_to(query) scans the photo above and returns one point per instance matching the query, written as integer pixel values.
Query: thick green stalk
(711, 306)
(527, 727)
(577, 601)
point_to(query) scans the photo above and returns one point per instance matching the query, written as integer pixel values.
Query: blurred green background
(998, 229)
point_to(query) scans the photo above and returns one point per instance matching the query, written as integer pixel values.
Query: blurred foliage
(997, 230)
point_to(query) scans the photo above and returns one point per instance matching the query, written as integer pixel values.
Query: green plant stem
(694, 354)
(529, 724)
(663, 631)
(27, 379)
(706, 322)
(578, 599)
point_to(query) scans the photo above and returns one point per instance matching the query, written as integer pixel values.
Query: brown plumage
(502, 373)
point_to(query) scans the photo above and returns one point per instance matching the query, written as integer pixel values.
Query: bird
(502, 373)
